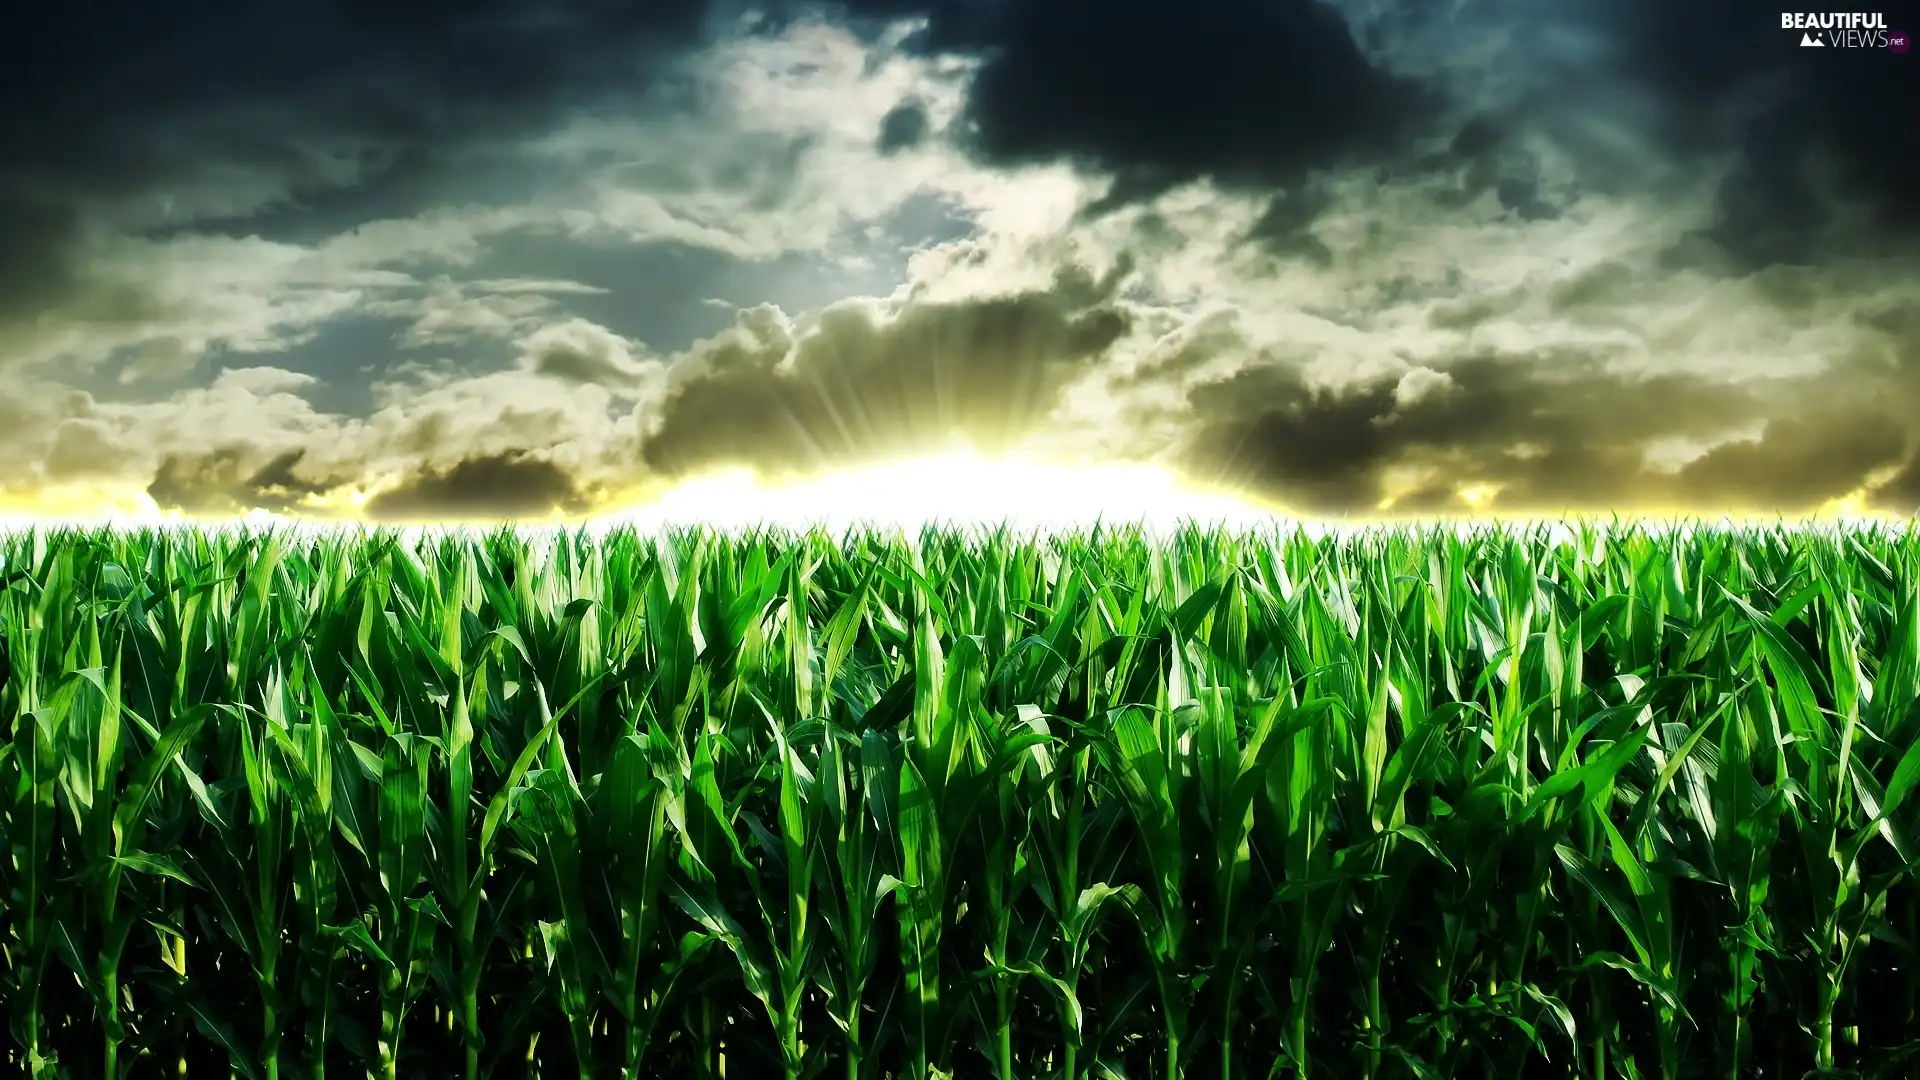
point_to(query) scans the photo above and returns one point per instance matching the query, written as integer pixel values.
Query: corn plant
(1602, 800)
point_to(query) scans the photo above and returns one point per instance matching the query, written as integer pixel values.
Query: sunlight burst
(958, 489)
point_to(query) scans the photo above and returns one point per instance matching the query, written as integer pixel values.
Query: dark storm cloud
(1900, 494)
(1797, 461)
(488, 487)
(903, 128)
(1554, 433)
(1242, 90)
(497, 486)
(1798, 115)
(297, 121)
(351, 109)
(1260, 93)
(1246, 92)
(303, 118)
(32, 269)
(291, 120)
(113, 96)
(1285, 227)
(231, 480)
(861, 387)
(1481, 157)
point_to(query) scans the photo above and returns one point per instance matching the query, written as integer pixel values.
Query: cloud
(224, 482)
(1542, 434)
(249, 212)
(583, 352)
(800, 140)
(1420, 385)
(1638, 96)
(85, 449)
(147, 152)
(1816, 172)
(443, 311)
(1240, 91)
(1351, 254)
(263, 381)
(31, 411)
(252, 438)
(1796, 462)
(493, 487)
(282, 104)
(161, 305)
(864, 381)
(903, 128)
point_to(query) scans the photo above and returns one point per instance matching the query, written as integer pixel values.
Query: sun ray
(961, 488)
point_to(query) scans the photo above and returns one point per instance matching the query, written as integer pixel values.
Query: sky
(519, 259)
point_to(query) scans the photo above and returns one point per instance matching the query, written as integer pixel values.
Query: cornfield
(1599, 802)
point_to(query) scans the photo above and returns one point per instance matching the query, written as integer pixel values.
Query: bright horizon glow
(961, 488)
(956, 489)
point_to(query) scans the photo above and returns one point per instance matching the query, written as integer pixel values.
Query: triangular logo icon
(1808, 41)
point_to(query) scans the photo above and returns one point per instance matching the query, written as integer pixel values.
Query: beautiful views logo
(1845, 30)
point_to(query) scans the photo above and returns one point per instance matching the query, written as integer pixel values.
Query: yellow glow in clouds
(955, 490)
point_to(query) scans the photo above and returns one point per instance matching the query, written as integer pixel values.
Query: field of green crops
(1379, 804)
